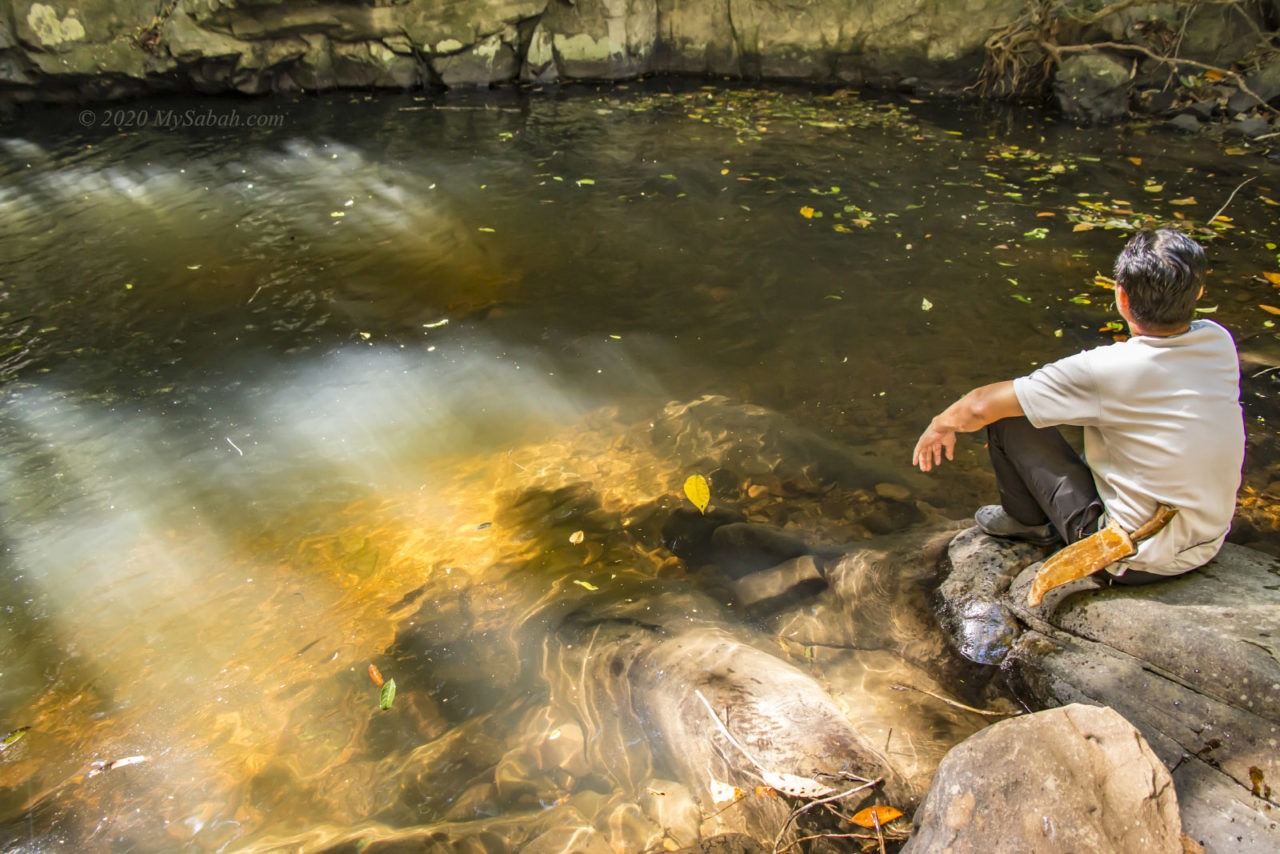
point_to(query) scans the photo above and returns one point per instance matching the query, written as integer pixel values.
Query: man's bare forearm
(977, 409)
(980, 407)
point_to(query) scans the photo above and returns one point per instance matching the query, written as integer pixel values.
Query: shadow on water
(391, 384)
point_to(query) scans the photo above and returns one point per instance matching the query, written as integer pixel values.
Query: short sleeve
(1061, 392)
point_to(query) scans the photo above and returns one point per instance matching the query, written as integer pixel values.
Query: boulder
(1078, 778)
(1192, 662)
(1184, 123)
(1265, 83)
(1092, 88)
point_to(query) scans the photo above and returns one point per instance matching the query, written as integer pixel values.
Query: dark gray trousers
(1042, 479)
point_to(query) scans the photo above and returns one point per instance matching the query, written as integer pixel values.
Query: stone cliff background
(102, 49)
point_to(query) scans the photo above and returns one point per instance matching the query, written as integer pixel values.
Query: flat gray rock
(1192, 662)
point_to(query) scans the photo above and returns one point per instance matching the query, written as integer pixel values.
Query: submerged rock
(1079, 778)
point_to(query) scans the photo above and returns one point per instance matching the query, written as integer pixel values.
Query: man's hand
(933, 442)
(972, 412)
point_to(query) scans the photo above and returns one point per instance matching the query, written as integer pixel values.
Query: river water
(276, 397)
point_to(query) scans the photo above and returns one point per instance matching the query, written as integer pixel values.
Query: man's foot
(993, 520)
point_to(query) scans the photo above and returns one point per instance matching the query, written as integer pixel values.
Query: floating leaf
(925, 305)
(806, 212)
(577, 537)
(1037, 233)
(1207, 309)
(1236, 150)
(1020, 298)
(1136, 161)
(796, 787)
(872, 816)
(587, 584)
(586, 182)
(1083, 226)
(723, 793)
(698, 491)
(388, 695)
(1153, 188)
(14, 737)
(375, 675)
(1189, 200)
(1273, 278)
(1270, 309)
(486, 229)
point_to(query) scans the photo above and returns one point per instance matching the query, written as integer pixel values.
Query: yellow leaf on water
(1083, 226)
(1270, 309)
(877, 814)
(1273, 278)
(806, 212)
(587, 584)
(1189, 200)
(698, 491)
(1153, 188)
(1236, 150)
(1136, 161)
(577, 537)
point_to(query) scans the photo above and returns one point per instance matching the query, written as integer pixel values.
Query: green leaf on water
(13, 737)
(1021, 298)
(388, 695)
(1037, 233)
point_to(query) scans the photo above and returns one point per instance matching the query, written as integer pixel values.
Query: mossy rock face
(253, 45)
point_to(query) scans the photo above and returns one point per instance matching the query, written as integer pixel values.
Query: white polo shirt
(1162, 425)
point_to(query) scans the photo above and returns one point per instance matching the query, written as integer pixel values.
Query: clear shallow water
(272, 399)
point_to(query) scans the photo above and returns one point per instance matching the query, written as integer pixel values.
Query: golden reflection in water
(240, 670)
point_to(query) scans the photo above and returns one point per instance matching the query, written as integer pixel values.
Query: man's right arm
(977, 409)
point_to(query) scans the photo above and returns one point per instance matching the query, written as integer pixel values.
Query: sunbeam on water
(418, 388)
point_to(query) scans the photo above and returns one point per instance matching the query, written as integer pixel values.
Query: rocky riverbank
(1185, 62)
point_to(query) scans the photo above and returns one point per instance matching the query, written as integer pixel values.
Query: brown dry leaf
(766, 792)
(1136, 161)
(869, 816)
(1273, 278)
(1189, 200)
(1213, 75)
(1046, 213)
(1083, 226)
(1270, 309)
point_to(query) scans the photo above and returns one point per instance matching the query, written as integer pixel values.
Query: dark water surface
(268, 394)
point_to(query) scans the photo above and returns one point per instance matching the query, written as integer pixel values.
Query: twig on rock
(823, 836)
(798, 811)
(954, 703)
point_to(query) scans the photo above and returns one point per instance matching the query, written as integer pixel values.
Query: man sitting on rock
(1161, 416)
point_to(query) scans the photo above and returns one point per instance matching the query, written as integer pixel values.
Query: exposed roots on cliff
(1022, 55)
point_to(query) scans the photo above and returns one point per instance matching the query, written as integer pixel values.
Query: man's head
(1162, 274)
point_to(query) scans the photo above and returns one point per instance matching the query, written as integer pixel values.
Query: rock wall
(65, 49)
